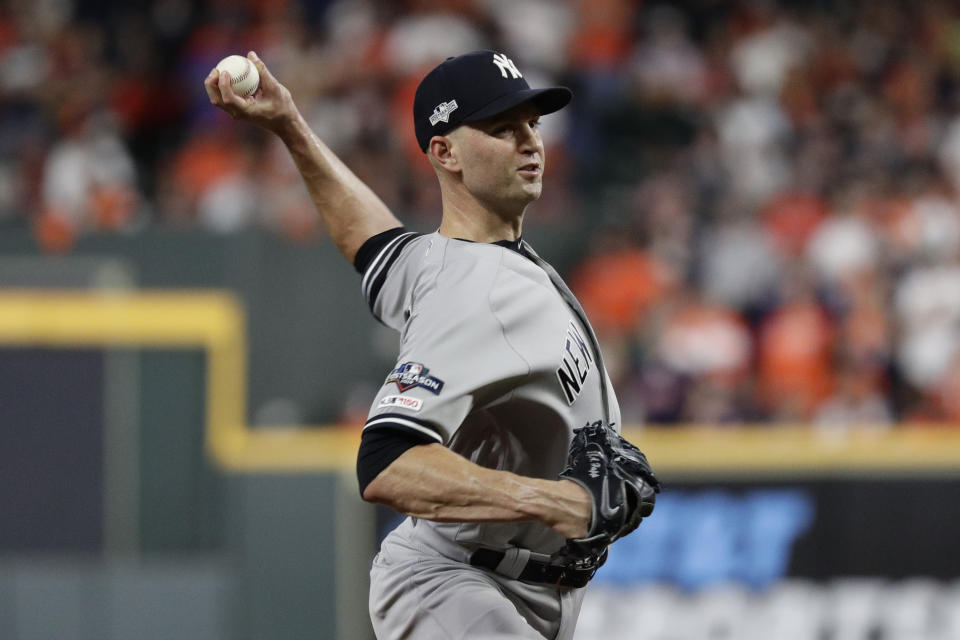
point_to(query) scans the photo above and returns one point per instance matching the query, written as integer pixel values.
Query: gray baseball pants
(422, 589)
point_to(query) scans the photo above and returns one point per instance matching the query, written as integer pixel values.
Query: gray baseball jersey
(497, 362)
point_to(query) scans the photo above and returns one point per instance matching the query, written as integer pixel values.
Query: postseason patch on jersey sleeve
(411, 375)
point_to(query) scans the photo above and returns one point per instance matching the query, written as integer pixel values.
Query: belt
(523, 564)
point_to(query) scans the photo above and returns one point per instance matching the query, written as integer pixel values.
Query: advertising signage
(757, 533)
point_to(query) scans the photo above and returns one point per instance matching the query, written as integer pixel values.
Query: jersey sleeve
(381, 261)
(454, 357)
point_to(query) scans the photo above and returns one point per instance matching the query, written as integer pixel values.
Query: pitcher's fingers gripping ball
(225, 92)
(620, 482)
(245, 89)
(244, 76)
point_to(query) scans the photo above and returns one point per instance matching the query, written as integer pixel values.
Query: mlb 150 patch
(401, 402)
(410, 375)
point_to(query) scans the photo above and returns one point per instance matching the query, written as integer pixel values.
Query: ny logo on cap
(506, 64)
(441, 113)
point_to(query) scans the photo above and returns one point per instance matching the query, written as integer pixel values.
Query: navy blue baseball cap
(475, 86)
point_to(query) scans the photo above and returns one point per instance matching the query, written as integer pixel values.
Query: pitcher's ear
(441, 148)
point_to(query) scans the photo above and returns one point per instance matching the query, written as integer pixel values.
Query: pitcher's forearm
(433, 483)
(350, 210)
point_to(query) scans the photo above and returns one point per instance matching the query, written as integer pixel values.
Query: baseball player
(497, 430)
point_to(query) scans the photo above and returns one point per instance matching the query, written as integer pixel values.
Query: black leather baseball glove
(618, 477)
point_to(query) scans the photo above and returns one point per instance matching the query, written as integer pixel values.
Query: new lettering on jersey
(575, 363)
(413, 374)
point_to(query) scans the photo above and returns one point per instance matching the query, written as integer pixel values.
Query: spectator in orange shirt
(618, 282)
(796, 352)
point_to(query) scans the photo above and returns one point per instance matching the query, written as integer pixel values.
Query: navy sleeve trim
(405, 423)
(376, 274)
(379, 448)
(372, 246)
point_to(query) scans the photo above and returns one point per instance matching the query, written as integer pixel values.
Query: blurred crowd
(770, 189)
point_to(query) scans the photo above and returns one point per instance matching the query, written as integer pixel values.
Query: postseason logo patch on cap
(441, 113)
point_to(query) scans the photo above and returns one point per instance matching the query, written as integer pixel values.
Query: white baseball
(244, 77)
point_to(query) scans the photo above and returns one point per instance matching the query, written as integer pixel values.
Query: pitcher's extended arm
(351, 212)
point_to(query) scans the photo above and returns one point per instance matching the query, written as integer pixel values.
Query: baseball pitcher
(497, 431)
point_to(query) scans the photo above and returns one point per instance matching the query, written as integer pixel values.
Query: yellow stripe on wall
(214, 321)
(799, 449)
(689, 450)
(208, 320)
